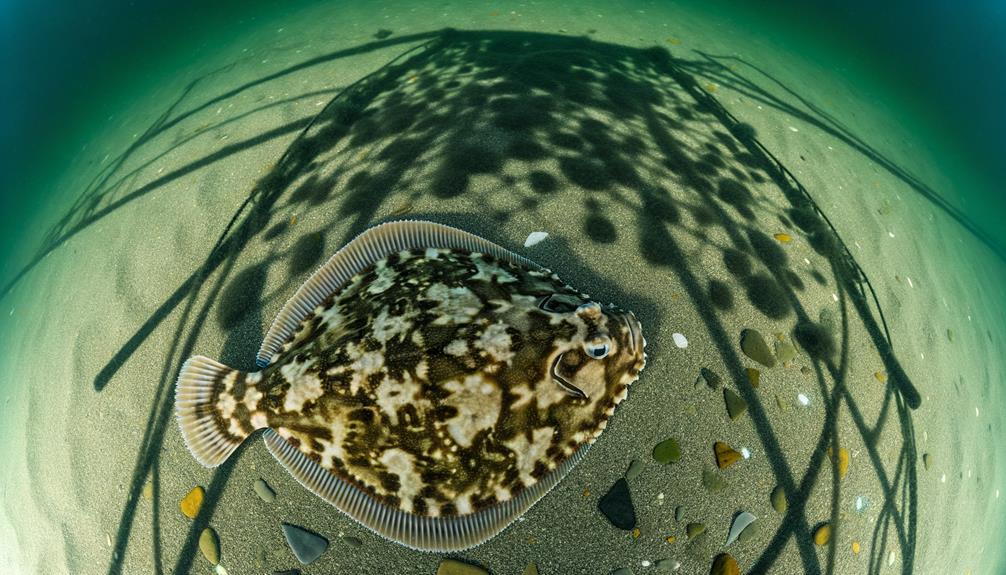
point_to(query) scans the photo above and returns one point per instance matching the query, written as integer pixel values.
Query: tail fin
(202, 399)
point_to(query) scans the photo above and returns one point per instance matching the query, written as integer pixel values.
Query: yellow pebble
(670, 539)
(711, 87)
(586, 492)
(823, 534)
(293, 220)
(855, 547)
(784, 238)
(635, 532)
(881, 376)
(191, 503)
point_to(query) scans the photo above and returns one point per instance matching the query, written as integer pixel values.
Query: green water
(175, 175)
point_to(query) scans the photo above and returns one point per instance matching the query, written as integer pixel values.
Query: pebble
(306, 546)
(192, 501)
(635, 468)
(534, 238)
(219, 569)
(264, 492)
(667, 451)
(725, 565)
(741, 522)
(822, 534)
(782, 405)
(680, 340)
(890, 558)
(784, 238)
(667, 565)
(736, 406)
(531, 569)
(695, 529)
(927, 460)
(353, 541)
(148, 490)
(753, 345)
(803, 399)
(616, 505)
(209, 544)
(745, 453)
(843, 461)
(712, 379)
(725, 455)
(778, 499)
(713, 482)
(454, 567)
(754, 377)
(855, 547)
(784, 352)
(806, 371)
(679, 513)
(880, 376)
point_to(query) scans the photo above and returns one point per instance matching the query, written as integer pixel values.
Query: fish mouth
(563, 383)
(636, 340)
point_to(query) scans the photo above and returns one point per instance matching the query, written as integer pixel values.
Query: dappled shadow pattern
(500, 123)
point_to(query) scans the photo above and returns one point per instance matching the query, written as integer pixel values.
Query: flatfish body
(426, 382)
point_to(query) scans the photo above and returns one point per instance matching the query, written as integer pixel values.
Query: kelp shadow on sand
(475, 128)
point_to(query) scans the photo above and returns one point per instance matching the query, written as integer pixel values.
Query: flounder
(428, 383)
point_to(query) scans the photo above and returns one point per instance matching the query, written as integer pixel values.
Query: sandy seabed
(190, 217)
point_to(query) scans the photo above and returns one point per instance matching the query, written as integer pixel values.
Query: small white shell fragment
(890, 234)
(793, 129)
(997, 494)
(680, 340)
(746, 452)
(803, 399)
(943, 478)
(534, 238)
(860, 503)
(834, 296)
(976, 411)
(910, 284)
(740, 523)
(890, 558)
(644, 563)
(220, 570)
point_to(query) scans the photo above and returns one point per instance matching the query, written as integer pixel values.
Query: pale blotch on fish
(428, 383)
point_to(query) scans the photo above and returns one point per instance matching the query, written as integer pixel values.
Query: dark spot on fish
(364, 415)
(445, 412)
(448, 509)
(294, 441)
(390, 482)
(539, 470)
(419, 506)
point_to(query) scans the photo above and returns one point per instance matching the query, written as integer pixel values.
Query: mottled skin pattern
(434, 380)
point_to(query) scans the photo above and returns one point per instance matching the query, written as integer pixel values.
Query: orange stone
(191, 503)
(725, 565)
(843, 461)
(823, 534)
(855, 547)
(725, 455)
(881, 376)
(782, 237)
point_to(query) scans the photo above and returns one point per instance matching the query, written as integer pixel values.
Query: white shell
(740, 523)
(534, 237)
(680, 340)
(746, 452)
(803, 399)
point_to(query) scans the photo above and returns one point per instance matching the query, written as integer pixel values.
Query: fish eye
(597, 350)
(559, 303)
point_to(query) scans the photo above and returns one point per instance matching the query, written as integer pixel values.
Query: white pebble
(660, 496)
(890, 234)
(834, 296)
(644, 563)
(943, 478)
(860, 503)
(997, 494)
(976, 411)
(803, 399)
(792, 129)
(220, 570)
(890, 558)
(910, 284)
(806, 261)
(969, 474)
(746, 453)
(925, 434)
(534, 237)
(680, 340)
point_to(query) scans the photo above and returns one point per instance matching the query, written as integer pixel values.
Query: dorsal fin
(370, 246)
